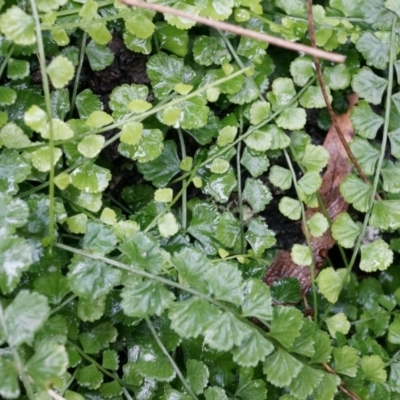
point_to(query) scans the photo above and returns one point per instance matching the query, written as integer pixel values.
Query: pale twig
(238, 30)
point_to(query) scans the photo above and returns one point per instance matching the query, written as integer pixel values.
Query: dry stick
(238, 30)
(326, 97)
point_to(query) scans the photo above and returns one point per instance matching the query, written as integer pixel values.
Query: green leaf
(90, 309)
(86, 103)
(369, 85)
(338, 323)
(172, 39)
(301, 254)
(315, 158)
(225, 332)
(290, 208)
(394, 331)
(337, 77)
(373, 50)
(36, 118)
(366, 154)
(90, 278)
(13, 137)
(98, 119)
(197, 375)
(53, 285)
(131, 132)
(313, 98)
(192, 265)
(259, 111)
(345, 230)
(305, 382)
(41, 158)
(140, 26)
(90, 178)
(162, 169)
(225, 281)
(286, 325)
(346, 360)
(203, 226)
(280, 177)
(219, 166)
(257, 300)
(373, 368)
(167, 225)
(257, 194)
(145, 298)
(252, 350)
(228, 230)
(90, 201)
(365, 122)
(331, 282)
(255, 163)
(99, 56)
(194, 112)
(9, 387)
(221, 186)
(25, 316)
(167, 71)
(209, 50)
(226, 135)
(13, 213)
(18, 26)
(391, 178)
(302, 70)
(61, 131)
(99, 238)
(310, 182)
(189, 317)
(356, 192)
(281, 368)
(143, 252)
(216, 9)
(318, 224)
(49, 361)
(91, 145)
(89, 377)
(283, 92)
(375, 256)
(215, 393)
(7, 96)
(148, 148)
(292, 118)
(60, 71)
(259, 140)
(16, 256)
(48, 5)
(386, 214)
(259, 236)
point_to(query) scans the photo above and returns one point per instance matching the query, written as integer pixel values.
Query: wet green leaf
(375, 256)
(60, 71)
(90, 178)
(210, 50)
(346, 359)
(13, 137)
(197, 375)
(257, 194)
(18, 26)
(255, 163)
(99, 56)
(259, 236)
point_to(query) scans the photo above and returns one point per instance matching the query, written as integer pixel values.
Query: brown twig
(321, 81)
(350, 394)
(238, 30)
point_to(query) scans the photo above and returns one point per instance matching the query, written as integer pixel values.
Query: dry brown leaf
(338, 168)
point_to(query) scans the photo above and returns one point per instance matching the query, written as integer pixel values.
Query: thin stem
(239, 183)
(63, 304)
(238, 30)
(381, 157)
(326, 96)
(170, 359)
(78, 73)
(306, 234)
(239, 62)
(6, 59)
(46, 90)
(184, 183)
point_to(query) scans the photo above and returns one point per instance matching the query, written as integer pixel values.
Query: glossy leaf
(257, 300)
(145, 298)
(60, 71)
(18, 26)
(338, 323)
(345, 361)
(375, 256)
(91, 278)
(257, 194)
(259, 236)
(331, 282)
